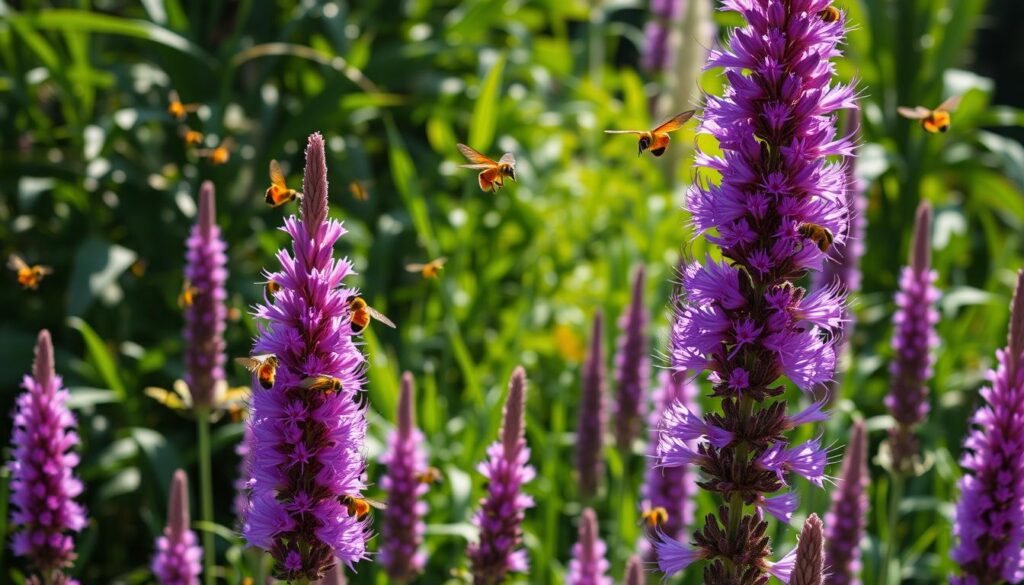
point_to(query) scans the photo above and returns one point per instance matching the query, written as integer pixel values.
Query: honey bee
(361, 313)
(191, 137)
(657, 140)
(933, 121)
(264, 366)
(360, 507)
(220, 154)
(326, 384)
(821, 236)
(29, 277)
(358, 190)
(492, 174)
(429, 270)
(654, 517)
(188, 294)
(177, 109)
(830, 14)
(272, 288)
(138, 268)
(429, 476)
(278, 192)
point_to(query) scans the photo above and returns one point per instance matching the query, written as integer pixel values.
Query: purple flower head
(590, 431)
(635, 571)
(43, 485)
(501, 512)
(913, 341)
(206, 315)
(809, 567)
(989, 517)
(847, 519)
(306, 453)
(588, 565)
(177, 555)
(632, 367)
(402, 534)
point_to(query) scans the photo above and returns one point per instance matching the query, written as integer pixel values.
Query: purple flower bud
(989, 517)
(635, 571)
(847, 519)
(588, 565)
(632, 366)
(43, 485)
(590, 431)
(809, 567)
(177, 555)
(406, 461)
(501, 512)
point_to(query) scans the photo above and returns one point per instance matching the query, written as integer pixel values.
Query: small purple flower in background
(913, 341)
(808, 568)
(590, 430)
(632, 366)
(43, 485)
(501, 513)
(657, 55)
(402, 533)
(847, 519)
(989, 517)
(306, 450)
(635, 571)
(243, 450)
(588, 565)
(177, 555)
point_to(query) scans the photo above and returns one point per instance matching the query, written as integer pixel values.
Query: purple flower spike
(406, 461)
(632, 367)
(635, 571)
(43, 485)
(913, 341)
(306, 452)
(809, 568)
(657, 55)
(177, 555)
(847, 519)
(206, 315)
(501, 513)
(588, 565)
(989, 517)
(590, 431)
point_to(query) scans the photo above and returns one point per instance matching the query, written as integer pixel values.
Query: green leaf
(98, 265)
(86, 398)
(485, 110)
(161, 455)
(101, 358)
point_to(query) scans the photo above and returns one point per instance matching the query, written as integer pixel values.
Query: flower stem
(891, 566)
(205, 492)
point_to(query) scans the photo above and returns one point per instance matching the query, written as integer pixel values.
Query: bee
(830, 14)
(932, 121)
(429, 476)
(29, 277)
(327, 384)
(821, 236)
(657, 140)
(360, 314)
(220, 154)
(188, 294)
(278, 192)
(360, 507)
(492, 174)
(358, 190)
(429, 270)
(177, 109)
(264, 366)
(191, 137)
(272, 288)
(654, 517)
(138, 268)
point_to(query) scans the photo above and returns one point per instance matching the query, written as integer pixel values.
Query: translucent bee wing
(507, 159)
(173, 97)
(950, 104)
(624, 132)
(674, 123)
(479, 167)
(415, 267)
(14, 262)
(276, 175)
(379, 505)
(916, 113)
(475, 156)
(440, 261)
(43, 269)
(380, 317)
(252, 363)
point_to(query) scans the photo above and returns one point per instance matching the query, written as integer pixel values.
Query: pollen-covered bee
(654, 517)
(176, 108)
(326, 384)
(657, 140)
(933, 121)
(221, 153)
(358, 190)
(360, 507)
(278, 192)
(264, 366)
(821, 236)
(188, 294)
(429, 476)
(360, 314)
(191, 137)
(429, 270)
(492, 174)
(272, 288)
(29, 277)
(830, 14)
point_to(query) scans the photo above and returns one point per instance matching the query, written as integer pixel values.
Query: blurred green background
(96, 182)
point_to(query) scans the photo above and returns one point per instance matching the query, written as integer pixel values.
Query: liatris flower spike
(847, 519)
(809, 566)
(177, 555)
(745, 319)
(632, 366)
(989, 518)
(635, 571)
(590, 430)
(501, 512)
(588, 565)
(406, 462)
(306, 454)
(657, 51)
(43, 486)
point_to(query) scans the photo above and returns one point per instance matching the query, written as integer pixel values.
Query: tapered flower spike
(809, 568)
(989, 516)
(402, 533)
(590, 430)
(588, 565)
(177, 560)
(44, 513)
(635, 571)
(502, 511)
(632, 366)
(657, 54)
(847, 519)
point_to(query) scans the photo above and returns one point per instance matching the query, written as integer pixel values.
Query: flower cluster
(590, 430)
(847, 519)
(632, 366)
(588, 565)
(177, 556)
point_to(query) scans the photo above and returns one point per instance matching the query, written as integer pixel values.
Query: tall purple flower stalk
(913, 341)
(744, 319)
(989, 517)
(808, 566)
(306, 452)
(400, 551)
(206, 316)
(847, 519)
(657, 54)
(177, 556)
(501, 513)
(632, 366)
(43, 486)
(590, 430)
(588, 565)
(635, 571)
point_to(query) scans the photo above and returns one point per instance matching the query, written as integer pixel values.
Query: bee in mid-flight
(278, 192)
(191, 137)
(177, 109)
(429, 476)
(360, 314)
(429, 270)
(821, 236)
(358, 190)
(830, 14)
(221, 153)
(188, 294)
(654, 517)
(657, 140)
(264, 366)
(932, 121)
(492, 174)
(360, 507)
(29, 277)
(326, 384)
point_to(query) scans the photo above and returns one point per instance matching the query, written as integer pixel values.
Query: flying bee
(177, 109)
(492, 174)
(932, 121)
(821, 236)
(326, 384)
(188, 294)
(429, 270)
(360, 507)
(830, 14)
(29, 277)
(429, 476)
(264, 366)
(278, 192)
(654, 517)
(657, 140)
(358, 190)
(221, 153)
(360, 314)
(272, 288)
(191, 137)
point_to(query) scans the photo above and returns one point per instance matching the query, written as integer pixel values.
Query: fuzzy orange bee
(29, 277)
(657, 140)
(278, 192)
(187, 295)
(360, 314)
(360, 507)
(933, 121)
(178, 109)
(830, 14)
(492, 174)
(191, 137)
(272, 288)
(221, 153)
(358, 190)
(429, 476)
(654, 517)
(429, 270)
(264, 366)
(821, 236)
(326, 384)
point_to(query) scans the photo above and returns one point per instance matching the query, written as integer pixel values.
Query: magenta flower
(632, 366)
(588, 565)
(402, 534)
(590, 430)
(177, 556)
(306, 453)
(501, 513)
(43, 486)
(989, 517)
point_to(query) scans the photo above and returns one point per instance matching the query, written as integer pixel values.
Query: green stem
(736, 505)
(206, 492)
(891, 566)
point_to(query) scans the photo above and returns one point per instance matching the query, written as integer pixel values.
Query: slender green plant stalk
(206, 493)
(892, 556)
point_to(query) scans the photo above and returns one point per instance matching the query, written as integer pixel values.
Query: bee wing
(165, 397)
(228, 143)
(950, 104)
(913, 113)
(43, 269)
(380, 317)
(674, 123)
(173, 96)
(624, 132)
(441, 261)
(507, 159)
(375, 503)
(276, 175)
(250, 363)
(415, 267)
(475, 157)
(479, 167)
(14, 262)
